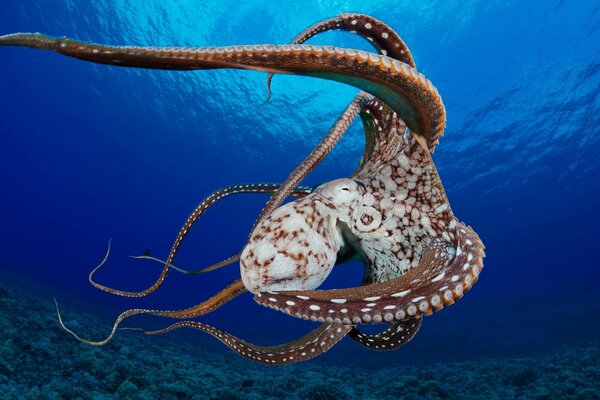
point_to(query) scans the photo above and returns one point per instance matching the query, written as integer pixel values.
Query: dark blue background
(91, 152)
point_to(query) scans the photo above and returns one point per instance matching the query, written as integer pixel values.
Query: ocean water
(90, 153)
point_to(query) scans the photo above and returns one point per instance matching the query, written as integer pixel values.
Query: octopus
(392, 213)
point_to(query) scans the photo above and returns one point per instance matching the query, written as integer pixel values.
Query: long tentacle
(309, 346)
(227, 294)
(399, 85)
(317, 154)
(190, 221)
(442, 276)
(297, 192)
(396, 336)
(381, 35)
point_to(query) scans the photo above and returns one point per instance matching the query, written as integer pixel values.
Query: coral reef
(40, 361)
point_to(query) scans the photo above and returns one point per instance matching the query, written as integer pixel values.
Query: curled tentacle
(396, 336)
(309, 346)
(442, 276)
(399, 85)
(381, 35)
(227, 294)
(269, 92)
(190, 221)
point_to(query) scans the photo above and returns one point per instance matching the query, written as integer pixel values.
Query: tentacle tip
(93, 271)
(26, 39)
(11, 39)
(56, 306)
(269, 95)
(63, 326)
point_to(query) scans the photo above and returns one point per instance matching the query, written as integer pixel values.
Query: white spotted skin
(295, 247)
(404, 205)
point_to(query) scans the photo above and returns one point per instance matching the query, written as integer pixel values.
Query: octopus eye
(346, 189)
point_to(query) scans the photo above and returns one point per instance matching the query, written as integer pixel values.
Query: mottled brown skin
(403, 188)
(413, 265)
(387, 42)
(405, 231)
(293, 247)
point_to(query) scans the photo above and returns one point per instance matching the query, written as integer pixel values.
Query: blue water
(91, 152)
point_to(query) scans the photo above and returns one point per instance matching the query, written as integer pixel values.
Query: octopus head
(296, 246)
(342, 192)
(345, 194)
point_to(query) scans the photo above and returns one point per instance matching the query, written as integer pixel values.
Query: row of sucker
(397, 335)
(442, 276)
(309, 346)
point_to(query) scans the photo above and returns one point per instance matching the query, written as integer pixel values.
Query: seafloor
(40, 361)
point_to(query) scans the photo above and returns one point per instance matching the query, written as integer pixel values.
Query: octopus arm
(396, 336)
(317, 154)
(381, 35)
(309, 346)
(224, 296)
(443, 275)
(374, 117)
(397, 84)
(198, 211)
